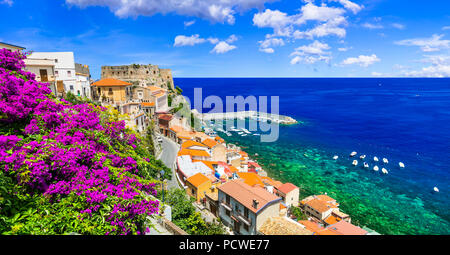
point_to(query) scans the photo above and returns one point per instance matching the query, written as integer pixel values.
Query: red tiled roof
(287, 187)
(345, 228)
(110, 82)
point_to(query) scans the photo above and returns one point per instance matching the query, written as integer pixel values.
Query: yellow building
(112, 90)
(198, 185)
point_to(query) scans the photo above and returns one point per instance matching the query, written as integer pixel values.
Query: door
(43, 74)
(237, 227)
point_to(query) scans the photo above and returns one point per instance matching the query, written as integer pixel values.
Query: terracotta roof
(208, 163)
(330, 220)
(148, 104)
(245, 194)
(198, 153)
(311, 226)
(234, 169)
(243, 154)
(282, 226)
(254, 164)
(155, 88)
(345, 228)
(110, 82)
(177, 129)
(327, 232)
(271, 182)
(219, 139)
(325, 198)
(191, 143)
(209, 142)
(197, 179)
(319, 205)
(251, 179)
(287, 187)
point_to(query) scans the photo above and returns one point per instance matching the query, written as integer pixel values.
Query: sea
(402, 119)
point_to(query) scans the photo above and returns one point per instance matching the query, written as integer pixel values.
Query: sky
(241, 38)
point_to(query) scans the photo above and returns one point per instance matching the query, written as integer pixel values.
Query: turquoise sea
(405, 120)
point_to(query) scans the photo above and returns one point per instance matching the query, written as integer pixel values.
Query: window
(246, 212)
(246, 227)
(71, 87)
(227, 213)
(227, 198)
(69, 73)
(56, 60)
(56, 73)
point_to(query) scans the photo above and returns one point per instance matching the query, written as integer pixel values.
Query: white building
(44, 69)
(65, 73)
(83, 86)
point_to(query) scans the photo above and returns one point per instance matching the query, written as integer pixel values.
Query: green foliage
(297, 212)
(169, 100)
(179, 90)
(185, 216)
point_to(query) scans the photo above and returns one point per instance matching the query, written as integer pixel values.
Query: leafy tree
(297, 212)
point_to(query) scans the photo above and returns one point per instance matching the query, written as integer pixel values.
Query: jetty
(253, 115)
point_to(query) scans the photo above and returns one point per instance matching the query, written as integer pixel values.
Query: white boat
(240, 133)
(362, 156)
(400, 164)
(246, 131)
(335, 157)
(244, 135)
(355, 162)
(436, 189)
(353, 154)
(384, 171)
(366, 165)
(375, 159)
(256, 134)
(385, 160)
(375, 168)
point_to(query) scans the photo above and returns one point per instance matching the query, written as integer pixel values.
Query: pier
(254, 115)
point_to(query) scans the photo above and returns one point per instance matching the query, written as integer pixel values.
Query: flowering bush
(67, 168)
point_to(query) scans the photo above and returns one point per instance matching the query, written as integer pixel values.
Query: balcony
(247, 221)
(226, 205)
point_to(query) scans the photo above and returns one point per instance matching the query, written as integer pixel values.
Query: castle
(140, 75)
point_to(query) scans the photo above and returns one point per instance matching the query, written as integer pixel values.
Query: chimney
(255, 203)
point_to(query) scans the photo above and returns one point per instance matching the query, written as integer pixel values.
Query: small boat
(436, 189)
(375, 168)
(256, 134)
(362, 156)
(385, 160)
(355, 162)
(401, 165)
(384, 171)
(366, 165)
(240, 133)
(353, 154)
(375, 159)
(335, 157)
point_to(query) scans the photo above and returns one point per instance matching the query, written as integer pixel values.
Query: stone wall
(140, 75)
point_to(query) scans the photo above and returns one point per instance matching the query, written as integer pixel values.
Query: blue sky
(241, 38)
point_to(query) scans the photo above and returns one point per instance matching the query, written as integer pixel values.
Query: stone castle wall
(141, 75)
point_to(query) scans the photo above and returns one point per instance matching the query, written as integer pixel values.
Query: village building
(197, 186)
(290, 194)
(186, 168)
(11, 47)
(216, 149)
(44, 69)
(112, 91)
(346, 228)
(83, 81)
(282, 226)
(64, 70)
(245, 208)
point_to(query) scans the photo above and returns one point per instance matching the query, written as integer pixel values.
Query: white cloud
(268, 43)
(8, 2)
(355, 8)
(222, 47)
(213, 10)
(329, 28)
(372, 26)
(267, 50)
(213, 40)
(398, 26)
(434, 43)
(344, 49)
(377, 74)
(318, 13)
(446, 28)
(182, 40)
(362, 60)
(231, 39)
(311, 53)
(189, 23)
(279, 21)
